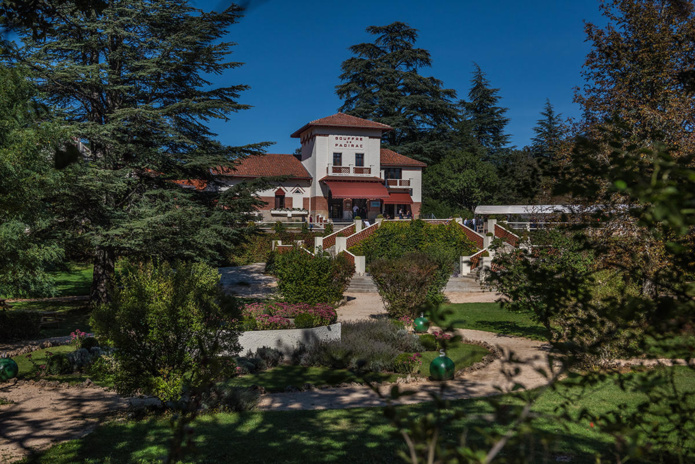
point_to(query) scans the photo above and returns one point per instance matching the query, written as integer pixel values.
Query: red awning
(398, 198)
(366, 190)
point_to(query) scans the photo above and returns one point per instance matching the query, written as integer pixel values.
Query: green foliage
(394, 239)
(271, 356)
(483, 116)
(405, 283)
(308, 321)
(59, 364)
(304, 278)
(88, 343)
(367, 346)
(147, 133)
(442, 244)
(382, 82)
(328, 229)
(28, 229)
(279, 227)
(428, 342)
(462, 180)
(168, 324)
(406, 363)
(19, 325)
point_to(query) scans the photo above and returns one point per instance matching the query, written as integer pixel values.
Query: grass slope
(491, 317)
(339, 436)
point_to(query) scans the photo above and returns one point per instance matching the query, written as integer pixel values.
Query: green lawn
(462, 354)
(339, 436)
(279, 378)
(491, 317)
(73, 315)
(27, 370)
(74, 281)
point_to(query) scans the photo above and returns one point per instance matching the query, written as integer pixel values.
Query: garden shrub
(19, 325)
(428, 342)
(407, 363)
(442, 243)
(268, 322)
(227, 398)
(327, 229)
(59, 364)
(370, 346)
(88, 343)
(404, 282)
(271, 356)
(168, 325)
(304, 278)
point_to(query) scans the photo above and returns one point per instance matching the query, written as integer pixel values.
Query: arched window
(279, 199)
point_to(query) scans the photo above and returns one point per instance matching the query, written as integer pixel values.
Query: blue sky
(292, 51)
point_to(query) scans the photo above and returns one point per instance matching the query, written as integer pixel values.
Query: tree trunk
(649, 288)
(104, 265)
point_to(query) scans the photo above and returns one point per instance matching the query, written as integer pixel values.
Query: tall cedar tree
(637, 71)
(482, 115)
(550, 132)
(382, 83)
(28, 243)
(129, 82)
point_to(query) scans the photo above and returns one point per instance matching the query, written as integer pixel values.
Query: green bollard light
(442, 368)
(8, 369)
(421, 324)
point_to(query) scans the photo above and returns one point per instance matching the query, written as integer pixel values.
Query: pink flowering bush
(257, 315)
(407, 363)
(441, 338)
(268, 322)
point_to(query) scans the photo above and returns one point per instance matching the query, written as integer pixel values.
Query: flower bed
(276, 316)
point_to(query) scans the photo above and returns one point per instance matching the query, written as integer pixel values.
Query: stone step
(462, 284)
(362, 284)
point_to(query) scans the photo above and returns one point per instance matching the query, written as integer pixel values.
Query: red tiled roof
(391, 158)
(198, 184)
(343, 120)
(268, 165)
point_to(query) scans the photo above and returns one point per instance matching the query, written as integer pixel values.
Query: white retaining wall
(288, 339)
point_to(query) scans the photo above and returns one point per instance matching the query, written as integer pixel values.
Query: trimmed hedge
(304, 278)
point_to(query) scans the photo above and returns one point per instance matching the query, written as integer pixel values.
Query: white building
(342, 167)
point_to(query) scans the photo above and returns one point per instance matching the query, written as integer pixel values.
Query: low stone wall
(286, 340)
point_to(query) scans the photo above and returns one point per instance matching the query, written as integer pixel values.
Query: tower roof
(343, 120)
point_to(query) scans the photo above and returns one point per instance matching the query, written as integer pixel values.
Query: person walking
(355, 209)
(400, 213)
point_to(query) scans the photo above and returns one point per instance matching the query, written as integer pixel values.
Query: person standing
(400, 213)
(410, 214)
(355, 209)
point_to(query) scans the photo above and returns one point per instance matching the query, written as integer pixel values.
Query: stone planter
(287, 340)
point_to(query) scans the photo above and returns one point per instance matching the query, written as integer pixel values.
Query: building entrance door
(335, 208)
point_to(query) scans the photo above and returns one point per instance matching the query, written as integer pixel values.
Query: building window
(359, 159)
(279, 199)
(392, 173)
(337, 159)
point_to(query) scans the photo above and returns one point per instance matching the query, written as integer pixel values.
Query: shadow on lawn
(514, 329)
(337, 436)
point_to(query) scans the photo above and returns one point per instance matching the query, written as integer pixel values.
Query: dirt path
(41, 416)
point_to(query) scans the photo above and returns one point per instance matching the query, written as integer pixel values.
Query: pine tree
(482, 117)
(28, 242)
(129, 82)
(550, 132)
(382, 83)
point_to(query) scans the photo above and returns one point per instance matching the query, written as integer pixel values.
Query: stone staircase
(362, 284)
(462, 284)
(365, 284)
